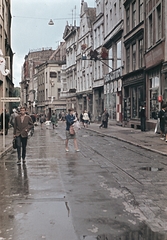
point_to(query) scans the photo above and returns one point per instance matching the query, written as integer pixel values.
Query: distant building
(32, 60)
(49, 88)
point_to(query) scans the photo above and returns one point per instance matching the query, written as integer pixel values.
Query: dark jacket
(69, 121)
(7, 118)
(161, 116)
(22, 128)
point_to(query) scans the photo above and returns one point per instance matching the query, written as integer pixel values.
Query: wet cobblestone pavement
(109, 190)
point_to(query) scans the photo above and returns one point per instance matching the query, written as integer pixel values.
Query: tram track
(110, 161)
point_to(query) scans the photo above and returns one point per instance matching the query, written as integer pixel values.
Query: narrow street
(110, 190)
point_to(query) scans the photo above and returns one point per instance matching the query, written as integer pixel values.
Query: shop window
(154, 93)
(137, 100)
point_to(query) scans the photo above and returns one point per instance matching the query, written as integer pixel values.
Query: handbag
(157, 127)
(71, 130)
(14, 143)
(76, 126)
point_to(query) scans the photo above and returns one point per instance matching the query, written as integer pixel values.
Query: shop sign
(115, 86)
(107, 78)
(108, 87)
(105, 89)
(111, 87)
(119, 85)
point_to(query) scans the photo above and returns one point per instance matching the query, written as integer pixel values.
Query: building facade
(98, 66)
(84, 91)
(69, 71)
(33, 59)
(5, 46)
(133, 80)
(113, 41)
(49, 87)
(155, 57)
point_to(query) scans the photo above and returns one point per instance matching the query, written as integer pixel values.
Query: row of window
(57, 75)
(154, 33)
(134, 56)
(134, 14)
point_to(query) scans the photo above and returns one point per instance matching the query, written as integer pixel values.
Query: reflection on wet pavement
(151, 169)
(144, 233)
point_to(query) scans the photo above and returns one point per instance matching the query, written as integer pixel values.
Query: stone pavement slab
(147, 140)
(8, 142)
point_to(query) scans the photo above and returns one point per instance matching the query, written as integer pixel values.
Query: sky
(30, 29)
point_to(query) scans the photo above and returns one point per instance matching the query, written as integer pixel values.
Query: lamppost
(4, 72)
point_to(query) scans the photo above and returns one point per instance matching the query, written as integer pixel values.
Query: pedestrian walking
(161, 116)
(23, 124)
(33, 117)
(104, 119)
(54, 120)
(143, 118)
(42, 120)
(86, 118)
(81, 118)
(89, 114)
(13, 116)
(7, 119)
(70, 119)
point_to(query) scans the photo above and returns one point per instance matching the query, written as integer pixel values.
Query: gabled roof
(89, 12)
(69, 29)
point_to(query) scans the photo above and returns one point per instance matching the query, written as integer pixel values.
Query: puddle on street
(144, 233)
(151, 169)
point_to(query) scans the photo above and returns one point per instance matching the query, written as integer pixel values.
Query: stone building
(84, 91)
(98, 66)
(69, 71)
(5, 46)
(113, 41)
(155, 57)
(133, 80)
(32, 60)
(49, 87)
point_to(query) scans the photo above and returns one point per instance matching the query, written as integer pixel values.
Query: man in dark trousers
(143, 118)
(23, 124)
(161, 116)
(7, 119)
